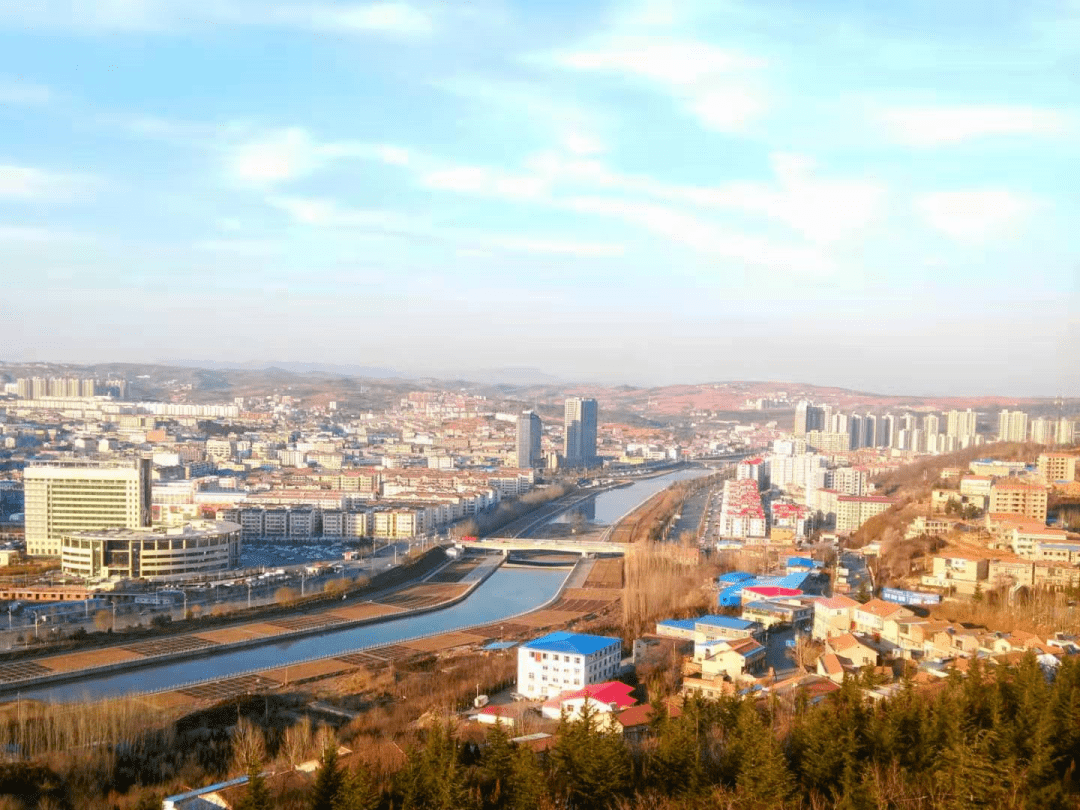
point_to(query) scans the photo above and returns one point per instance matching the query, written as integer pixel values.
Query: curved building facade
(173, 553)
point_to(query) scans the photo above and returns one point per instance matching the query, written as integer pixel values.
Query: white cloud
(281, 156)
(588, 250)
(397, 19)
(485, 181)
(705, 237)
(675, 62)
(328, 214)
(722, 88)
(942, 126)
(575, 128)
(17, 91)
(28, 183)
(975, 216)
(238, 247)
(288, 154)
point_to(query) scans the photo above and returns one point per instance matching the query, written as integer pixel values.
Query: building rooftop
(562, 641)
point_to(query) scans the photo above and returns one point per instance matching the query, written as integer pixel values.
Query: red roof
(772, 591)
(609, 692)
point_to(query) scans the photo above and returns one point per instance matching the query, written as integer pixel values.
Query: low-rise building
(1017, 498)
(852, 511)
(563, 661)
(958, 572)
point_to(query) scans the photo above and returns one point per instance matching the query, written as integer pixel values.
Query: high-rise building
(72, 496)
(579, 445)
(39, 387)
(870, 430)
(811, 417)
(23, 388)
(88, 387)
(855, 428)
(886, 429)
(529, 431)
(961, 424)
(1012, 426)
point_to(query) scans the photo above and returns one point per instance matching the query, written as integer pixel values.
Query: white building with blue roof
(564, 661)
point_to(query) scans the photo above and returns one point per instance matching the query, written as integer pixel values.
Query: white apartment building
(563, 661)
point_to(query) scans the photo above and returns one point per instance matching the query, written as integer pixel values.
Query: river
(506, 593)
(607, 507)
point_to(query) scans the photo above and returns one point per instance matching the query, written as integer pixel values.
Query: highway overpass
(505, 545)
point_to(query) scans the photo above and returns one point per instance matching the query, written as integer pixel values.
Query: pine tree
(257, 796)
(676, 762)
(497, 766)
(527, 780)
(433, 778)
(328, 778)
(762, 778)
(593, 765)
(357, 791)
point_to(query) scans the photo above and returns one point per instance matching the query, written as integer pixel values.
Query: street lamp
(249, 594)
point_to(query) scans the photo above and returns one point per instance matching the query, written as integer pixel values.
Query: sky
(880, 196)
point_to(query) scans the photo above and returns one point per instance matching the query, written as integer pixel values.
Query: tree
(297, 742)
(248, 746)
(529, 785)
(357, 791)
(285, 595)
(258, 795)
(103, 620)
(592, 765)
(328, 779)
(432, 778)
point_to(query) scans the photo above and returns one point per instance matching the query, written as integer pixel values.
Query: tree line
(1001, 737)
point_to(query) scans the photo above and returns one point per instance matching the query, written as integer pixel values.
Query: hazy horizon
(874, 198)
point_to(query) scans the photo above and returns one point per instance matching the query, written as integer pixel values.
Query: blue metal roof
(803, 562)
(735, 576)
(725, 621)
(578, 643)
(682, 624)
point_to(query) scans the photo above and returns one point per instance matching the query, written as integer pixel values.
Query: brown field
(606, 573)
(444, 642)
(366, 610)
(89, 658)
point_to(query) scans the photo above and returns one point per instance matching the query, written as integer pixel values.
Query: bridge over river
(506, 545)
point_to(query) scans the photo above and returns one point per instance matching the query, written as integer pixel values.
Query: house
(658, 650)
(849, 646)
(562, 660)
(607, 699)
(202, 798)
(832, 616)
(835, 667)
(733, 659)
(961, 573)
(708, 628)
(634, 722)
(772, 612)
(880, 619)
(496, 716)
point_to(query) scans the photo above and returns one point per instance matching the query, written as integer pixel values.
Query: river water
(607, 507)
(508, 592)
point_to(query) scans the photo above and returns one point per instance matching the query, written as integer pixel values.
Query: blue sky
(875, 195)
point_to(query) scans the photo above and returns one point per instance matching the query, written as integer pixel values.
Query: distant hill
(376, 387)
